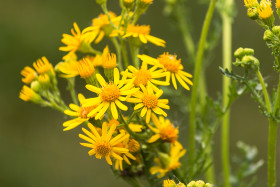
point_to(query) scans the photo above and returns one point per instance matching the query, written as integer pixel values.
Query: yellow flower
(146, 76)
(278, 4)
(109, 95)
(85, 68)
(67, 69)
(27, 94)
(109, 60)
(101, 27)
(29, 75)
(142, 32)
(164, 130)
(169, 183)
(125, 156)
(172, 66)
(264, 9)
(44, 66)
(170, 162)
(133, 146)
(81, 114)
(149, 102)
(251, 3)
(76, 41)
(105, 145)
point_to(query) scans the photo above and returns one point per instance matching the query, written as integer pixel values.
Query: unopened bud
(268, 35)
(252, 13)
(101, 1)
(276, 30)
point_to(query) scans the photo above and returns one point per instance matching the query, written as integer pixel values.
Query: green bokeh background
(34, 149)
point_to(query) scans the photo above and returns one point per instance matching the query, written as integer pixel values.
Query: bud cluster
(245, 59)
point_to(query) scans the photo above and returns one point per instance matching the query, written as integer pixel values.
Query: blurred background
(34, 149)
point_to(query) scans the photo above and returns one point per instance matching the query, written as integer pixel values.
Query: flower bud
(199, 183)
(44, 81)
(268, 35)
(276, 30)
(36, 86)
(252, 13)
(127, 3)
(251, 62)
(208, 185)
(239, 53)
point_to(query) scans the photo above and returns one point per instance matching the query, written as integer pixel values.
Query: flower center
(169, 133)
(103, 149)
(170, 62)
(142, 77)
(84, 111)
(139, 29)
(110, 93)
(150, 101)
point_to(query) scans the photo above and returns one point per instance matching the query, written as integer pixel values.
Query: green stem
(197, 71)
(71, 88)
(227, 51)
(105, 10)
(118, 49)
(271, 157)
(124, 53)
(265, 93)
(272, 140)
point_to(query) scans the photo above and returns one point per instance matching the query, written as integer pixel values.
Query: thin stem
(197, 71)
(265, 93)
(105, 10)
(71, 88)
(272, 140)
(118, 49)
(271, 157)
(124, 53)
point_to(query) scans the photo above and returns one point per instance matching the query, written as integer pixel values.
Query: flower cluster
(199, 183)
(123, 109)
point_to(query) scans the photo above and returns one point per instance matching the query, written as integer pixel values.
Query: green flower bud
(208, 185)
(252, 13)
(36, 86)
(191, 184)
(199, 183)
(248, 51)
(239, 53)
(127, 3)
(268, 35)
(276, 30)
(251, 62)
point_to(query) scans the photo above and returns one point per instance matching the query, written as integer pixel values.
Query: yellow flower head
(80, 113)
(133, 146)
(44, 66)
(142, 32)
(86, 68)
(109, 60)
(264, 9)
(168, 162)
(101, 27)
(278, 4)
(105, 145)
(146, 76)
(109, 95)
(149, 102)
(27, 94)
(173, 67)
(132, 126)
(67, 69)
(164, 130)
(28, 74)
(125, 156)
(44, 80)
(251, 3)
(76, 41)
(169, 183)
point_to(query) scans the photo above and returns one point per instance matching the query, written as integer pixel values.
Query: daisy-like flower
(29, 75)
(44, 66)
(76, 41)
(101, 27)
(164, 130)
(149, 102)
(109, 95)
(142, 32)
(105, 145)
(169, 183)
(125, 156)
(169, 162)
(172, 66)
(146, 76)
(27, 94)
(81, 114)
(265, 12)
